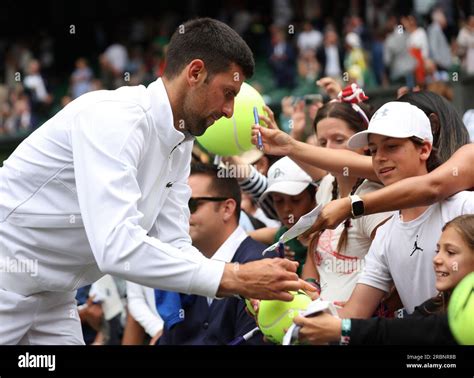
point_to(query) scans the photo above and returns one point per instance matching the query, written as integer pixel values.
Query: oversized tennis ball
(233, 136)
(461, 311)
(274, 317)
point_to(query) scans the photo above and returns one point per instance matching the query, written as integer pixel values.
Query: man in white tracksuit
(102, 188)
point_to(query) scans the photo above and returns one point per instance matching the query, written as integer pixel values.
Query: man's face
(394, 159)
(208, 100)
(206, 222)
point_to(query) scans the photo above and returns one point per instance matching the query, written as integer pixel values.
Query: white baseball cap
(286, 177)
(395, 119)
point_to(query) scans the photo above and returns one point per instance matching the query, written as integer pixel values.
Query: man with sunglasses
(101, 188)
(215, 231)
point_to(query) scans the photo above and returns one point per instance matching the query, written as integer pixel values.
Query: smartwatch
(357, 206)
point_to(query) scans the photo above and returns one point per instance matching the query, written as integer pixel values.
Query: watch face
(358, 208)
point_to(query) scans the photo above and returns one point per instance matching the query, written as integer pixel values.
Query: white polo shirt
(102, 188)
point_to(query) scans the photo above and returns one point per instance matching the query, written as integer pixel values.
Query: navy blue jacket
(224, 320)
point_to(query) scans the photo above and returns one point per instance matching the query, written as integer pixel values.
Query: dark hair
(464, 226)
(452, 133)
(272, 159)
(343, 239)
(227, 187)
(342, 242)
(345, 112)
(311, 189)
(212, 41)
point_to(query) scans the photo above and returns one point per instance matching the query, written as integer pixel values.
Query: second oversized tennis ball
(276, 316)
(461, 311)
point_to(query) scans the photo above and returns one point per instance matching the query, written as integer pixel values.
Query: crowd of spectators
(296, 45)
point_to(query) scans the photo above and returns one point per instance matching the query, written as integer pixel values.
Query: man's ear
(435, 124)
(196, 72)
(229, 209)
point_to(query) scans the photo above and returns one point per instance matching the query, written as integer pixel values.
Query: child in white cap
(293, 195)
(400, 141)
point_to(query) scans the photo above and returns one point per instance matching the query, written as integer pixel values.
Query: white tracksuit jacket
(102, 188)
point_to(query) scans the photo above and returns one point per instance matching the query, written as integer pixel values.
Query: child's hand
(319, 329)
(255, 304)
(331, 215)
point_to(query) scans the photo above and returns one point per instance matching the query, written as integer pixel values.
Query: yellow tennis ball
(461, 311)
(233, 136)
(276, 316)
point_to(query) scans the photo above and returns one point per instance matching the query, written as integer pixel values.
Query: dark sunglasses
(194, 202)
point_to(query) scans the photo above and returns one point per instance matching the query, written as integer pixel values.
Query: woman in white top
(335, 257)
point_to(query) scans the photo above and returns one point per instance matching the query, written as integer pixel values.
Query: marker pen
(259, 135)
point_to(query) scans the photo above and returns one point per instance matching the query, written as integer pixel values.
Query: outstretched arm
(277, 142)
(430, 330)
(344, 162)
(451, 177)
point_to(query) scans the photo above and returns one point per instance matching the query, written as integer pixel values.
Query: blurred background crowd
(58, 54)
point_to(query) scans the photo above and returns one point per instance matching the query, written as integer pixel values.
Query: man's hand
(262, 279)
